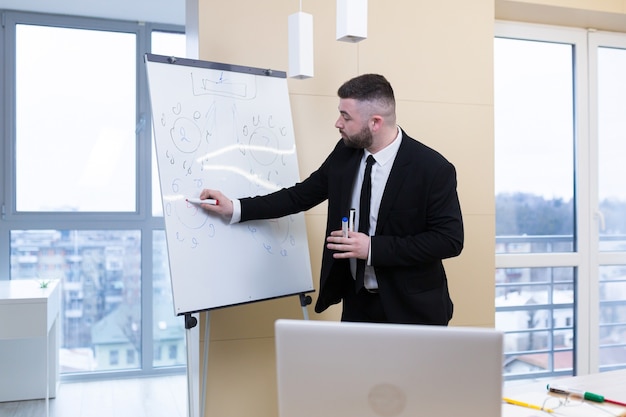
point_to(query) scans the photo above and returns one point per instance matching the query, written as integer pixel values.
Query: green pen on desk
(589, 396)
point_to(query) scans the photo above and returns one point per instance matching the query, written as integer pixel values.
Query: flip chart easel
(190, 323)
(225, 127)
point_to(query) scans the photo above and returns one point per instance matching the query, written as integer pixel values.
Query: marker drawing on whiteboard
(206, 201)
(344, 226)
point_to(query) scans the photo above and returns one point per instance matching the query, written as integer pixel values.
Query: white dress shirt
(380, 174)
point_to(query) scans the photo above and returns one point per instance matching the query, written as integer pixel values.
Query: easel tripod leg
(190, 323)
(205, 364)
(305, 300)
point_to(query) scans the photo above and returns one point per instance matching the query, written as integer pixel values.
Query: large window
(560, 200)
(534, 162)
(608, 54)
(81, 200)
(75, 118)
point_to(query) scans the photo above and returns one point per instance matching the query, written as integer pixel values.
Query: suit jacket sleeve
(321, 185)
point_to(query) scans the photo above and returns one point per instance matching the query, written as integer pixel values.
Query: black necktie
(364, 216)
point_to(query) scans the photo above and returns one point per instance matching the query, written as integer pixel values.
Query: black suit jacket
(419, 224)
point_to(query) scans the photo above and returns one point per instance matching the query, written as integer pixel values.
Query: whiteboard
(229, 128)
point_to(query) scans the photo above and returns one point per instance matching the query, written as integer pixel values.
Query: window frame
(585, 304)
(597, 39)
(141, 219)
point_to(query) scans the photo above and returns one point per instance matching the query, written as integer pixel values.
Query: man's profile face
(353, 128)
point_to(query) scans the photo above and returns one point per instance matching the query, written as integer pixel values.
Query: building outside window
(80, 188)
(560, 201)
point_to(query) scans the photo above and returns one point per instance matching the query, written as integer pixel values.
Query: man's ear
(376, 122)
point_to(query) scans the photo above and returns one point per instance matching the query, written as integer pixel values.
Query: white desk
(611, 385)
(28, 340)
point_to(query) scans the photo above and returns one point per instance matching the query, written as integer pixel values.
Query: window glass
(548, 150)
(535, 309)
(612, 317)
(169, 331)
(100, 271)
(170, 44)
(75, 120)
(534, 146)
(114, 358)
(612, 148)
(611, 102)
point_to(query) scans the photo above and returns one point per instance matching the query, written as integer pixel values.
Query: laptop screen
(339, 369)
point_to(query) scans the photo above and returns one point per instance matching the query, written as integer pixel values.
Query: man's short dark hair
(367, 87)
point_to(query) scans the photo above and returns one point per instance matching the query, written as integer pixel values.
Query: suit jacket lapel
(397, 176)
(350, 172)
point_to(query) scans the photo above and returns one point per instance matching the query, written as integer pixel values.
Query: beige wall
(438, 57)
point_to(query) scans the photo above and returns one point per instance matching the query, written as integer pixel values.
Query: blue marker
(344, 226)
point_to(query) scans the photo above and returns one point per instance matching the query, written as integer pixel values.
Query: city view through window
(552, 262)
(107, 320)
(101, 319)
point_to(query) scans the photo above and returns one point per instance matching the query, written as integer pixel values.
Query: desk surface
(611, 385)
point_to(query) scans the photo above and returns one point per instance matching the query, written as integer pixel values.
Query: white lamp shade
(351, 20)
(300, 45)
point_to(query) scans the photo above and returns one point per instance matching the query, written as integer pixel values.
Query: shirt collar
(389, 152)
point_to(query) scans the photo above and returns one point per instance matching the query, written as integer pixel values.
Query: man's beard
(361, 140)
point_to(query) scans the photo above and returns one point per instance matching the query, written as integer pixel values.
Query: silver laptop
(338, 369)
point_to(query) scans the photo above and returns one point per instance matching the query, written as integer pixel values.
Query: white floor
(141, 397)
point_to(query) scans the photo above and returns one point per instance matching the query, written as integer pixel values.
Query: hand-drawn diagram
(202, 138)
(230, 131)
